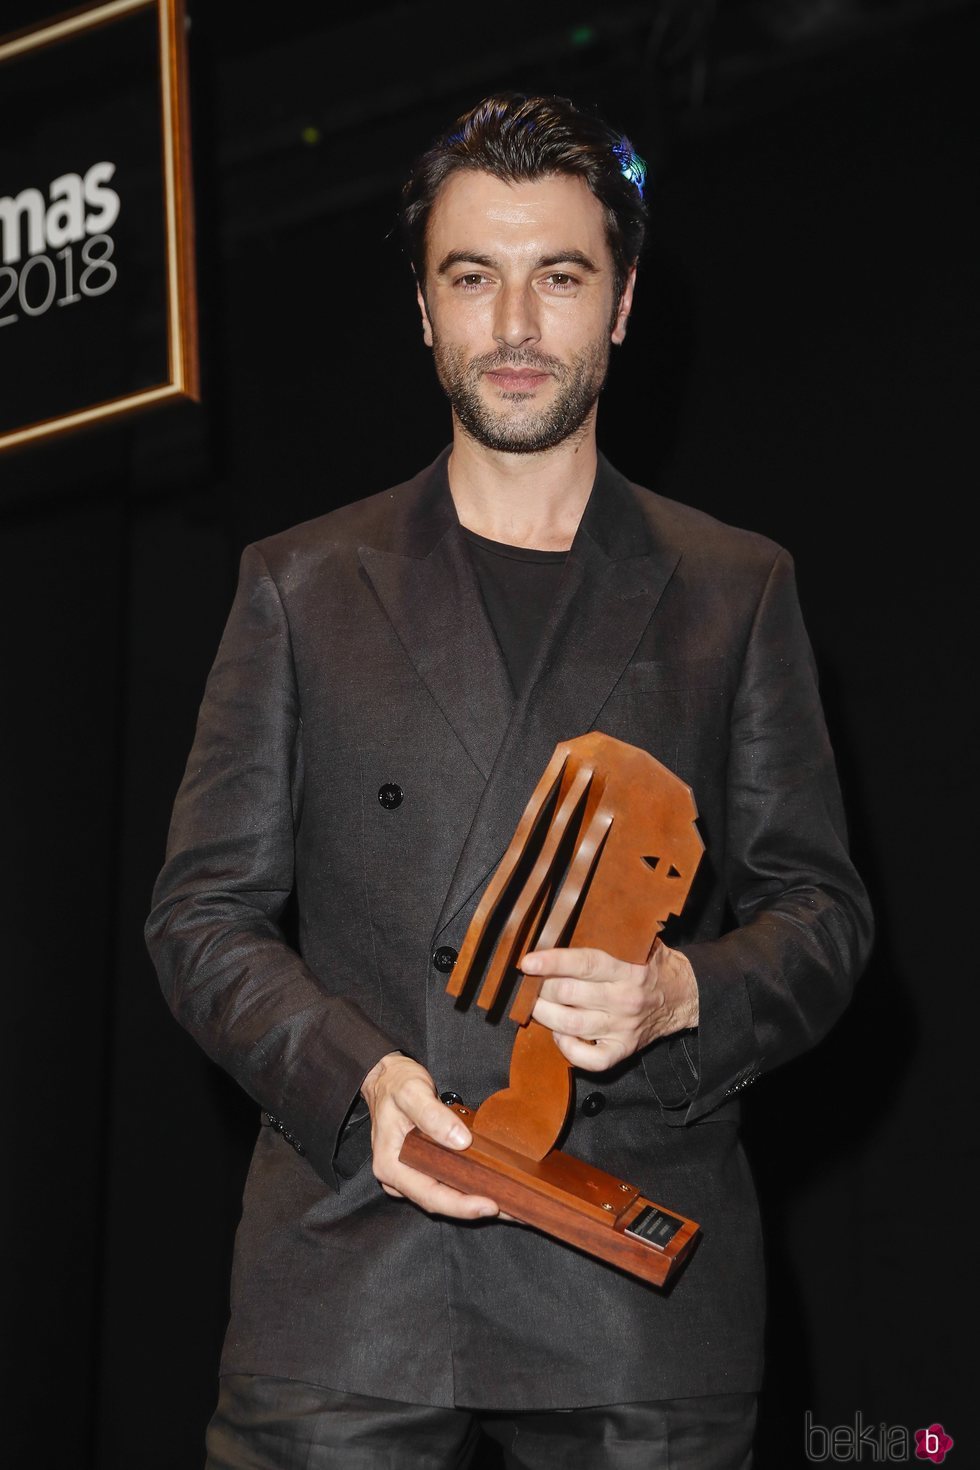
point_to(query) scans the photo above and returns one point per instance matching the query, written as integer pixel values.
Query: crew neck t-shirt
(518, 585)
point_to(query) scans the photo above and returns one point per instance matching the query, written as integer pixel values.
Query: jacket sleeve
(775, 984)
(291, 1038)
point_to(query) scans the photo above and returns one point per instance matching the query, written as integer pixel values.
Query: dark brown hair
(515, 136)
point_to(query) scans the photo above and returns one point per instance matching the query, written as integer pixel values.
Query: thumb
(443, 1125)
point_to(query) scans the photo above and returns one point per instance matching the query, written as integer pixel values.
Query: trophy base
(564, 1197)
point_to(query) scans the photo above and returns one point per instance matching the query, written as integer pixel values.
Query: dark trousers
(278, 1424)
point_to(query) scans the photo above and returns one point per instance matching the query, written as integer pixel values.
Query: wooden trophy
(605, 851)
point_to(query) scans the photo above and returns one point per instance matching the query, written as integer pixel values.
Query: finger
(570, 1021)
(585, 963)
(590, 1056)
(433, 1117)
(567, 990)
(621, 1000)
(437, 1198)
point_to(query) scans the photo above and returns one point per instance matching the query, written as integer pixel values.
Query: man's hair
(515, 136)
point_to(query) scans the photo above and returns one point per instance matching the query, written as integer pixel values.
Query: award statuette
(605, 851)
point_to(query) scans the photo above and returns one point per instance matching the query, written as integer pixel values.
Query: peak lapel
(425, 582)
(613, 579)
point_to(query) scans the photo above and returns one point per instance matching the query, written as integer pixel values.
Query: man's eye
(558, 280)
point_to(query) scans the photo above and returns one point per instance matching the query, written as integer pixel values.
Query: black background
(797, 362)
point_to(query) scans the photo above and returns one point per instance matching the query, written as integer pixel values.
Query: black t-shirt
(518, 584)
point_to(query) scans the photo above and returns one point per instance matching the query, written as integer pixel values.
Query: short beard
(579, 386)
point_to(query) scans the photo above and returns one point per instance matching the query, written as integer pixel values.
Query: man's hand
(401, 1096)
(602, 1010)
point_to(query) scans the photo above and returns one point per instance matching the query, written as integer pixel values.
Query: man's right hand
(401, 1096)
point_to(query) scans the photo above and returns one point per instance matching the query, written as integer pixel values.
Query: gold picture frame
(182, 379)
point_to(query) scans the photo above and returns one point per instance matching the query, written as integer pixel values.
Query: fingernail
(485, 1210)
(458, 1136)
(530, 963)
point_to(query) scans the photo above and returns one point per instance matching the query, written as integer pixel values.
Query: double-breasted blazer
(358, 656)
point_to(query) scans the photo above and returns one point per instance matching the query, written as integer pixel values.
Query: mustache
(492, 362)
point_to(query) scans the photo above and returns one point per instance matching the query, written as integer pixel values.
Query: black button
(444, 958)
(594, 1103)
(449, 1098)
(390, 796)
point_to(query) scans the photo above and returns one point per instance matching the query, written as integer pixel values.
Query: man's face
(519, 281)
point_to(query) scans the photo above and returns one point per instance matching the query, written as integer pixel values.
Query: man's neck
(533, 500)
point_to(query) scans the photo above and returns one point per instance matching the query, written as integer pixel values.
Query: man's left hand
(602, 1010)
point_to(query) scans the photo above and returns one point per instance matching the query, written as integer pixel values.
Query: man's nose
(515, 322)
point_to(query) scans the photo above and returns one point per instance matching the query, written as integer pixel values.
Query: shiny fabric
(278, 1424)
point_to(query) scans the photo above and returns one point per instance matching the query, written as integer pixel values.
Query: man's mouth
(517, 377)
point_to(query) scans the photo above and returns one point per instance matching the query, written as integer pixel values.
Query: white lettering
(98, 196)
(66, 212)
(62, 218)
(31, 203)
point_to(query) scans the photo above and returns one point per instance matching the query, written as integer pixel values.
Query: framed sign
(97, 298)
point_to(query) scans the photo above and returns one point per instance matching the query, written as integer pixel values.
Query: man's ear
(625, 304)
(426, 324)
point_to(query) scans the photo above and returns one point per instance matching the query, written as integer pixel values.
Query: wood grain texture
(560, 1195)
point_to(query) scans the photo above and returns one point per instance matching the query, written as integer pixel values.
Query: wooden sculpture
(606, 850)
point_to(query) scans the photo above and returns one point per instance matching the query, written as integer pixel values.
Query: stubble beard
(514, 429)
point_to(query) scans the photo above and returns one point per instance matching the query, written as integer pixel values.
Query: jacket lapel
(426, 584)
(611, 584)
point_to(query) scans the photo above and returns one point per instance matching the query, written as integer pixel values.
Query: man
(392, 680)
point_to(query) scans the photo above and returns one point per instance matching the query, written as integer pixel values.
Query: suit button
(390, 796)
(594, 1103)
(444, 958)
(449, 1098)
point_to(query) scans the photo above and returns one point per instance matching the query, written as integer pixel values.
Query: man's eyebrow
(474, 257)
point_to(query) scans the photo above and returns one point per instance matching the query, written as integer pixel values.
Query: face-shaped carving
(605, 851)
(649, 855)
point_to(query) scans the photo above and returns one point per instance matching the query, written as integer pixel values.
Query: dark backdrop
(797, 362)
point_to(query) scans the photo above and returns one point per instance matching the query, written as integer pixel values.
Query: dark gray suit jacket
(356, 654)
